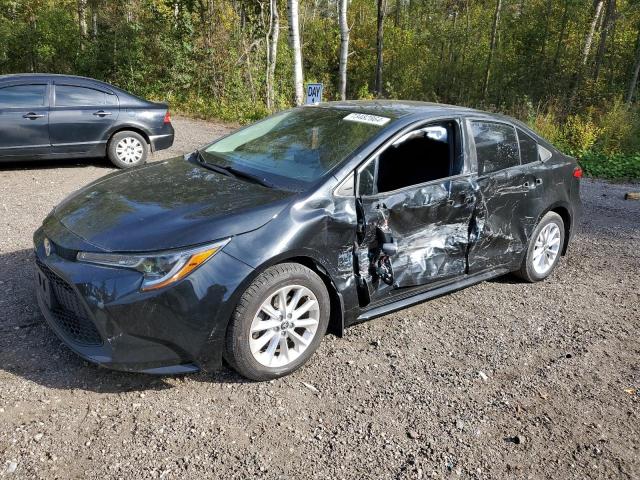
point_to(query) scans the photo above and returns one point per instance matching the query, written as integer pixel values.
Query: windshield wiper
(231, 171)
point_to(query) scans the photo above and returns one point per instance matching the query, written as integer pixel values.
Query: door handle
(101, 113)
(33, 116)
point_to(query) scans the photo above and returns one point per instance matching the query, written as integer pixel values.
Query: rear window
(23, 96)
(71, 96)
(496, 146)
(528, 148)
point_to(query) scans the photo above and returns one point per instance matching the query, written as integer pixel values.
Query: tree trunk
(563, 29)
(635, 72)
(463, 59)
(492, 48)
(294, 41)
(82, 18)
(584, 58)
(272, 52)
(344, 48)
(588, 40)
(382, 5)
(609, 18)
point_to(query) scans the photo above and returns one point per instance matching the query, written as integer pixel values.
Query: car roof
(86, 81)
(41, 76)
(54, 76)
(402, 108)
(411, 110)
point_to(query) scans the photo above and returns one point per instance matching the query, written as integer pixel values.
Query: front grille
(67, 311)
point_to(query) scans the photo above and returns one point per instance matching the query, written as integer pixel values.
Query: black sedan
(314, 219)
(55, 116)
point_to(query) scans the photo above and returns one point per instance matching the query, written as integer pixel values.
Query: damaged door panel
(508, 198)
(416, 234)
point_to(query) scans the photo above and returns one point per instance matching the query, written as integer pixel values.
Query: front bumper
(101, 314)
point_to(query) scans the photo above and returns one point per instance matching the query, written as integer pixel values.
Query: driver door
(414, 206)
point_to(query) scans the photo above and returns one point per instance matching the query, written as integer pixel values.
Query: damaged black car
(316, 218)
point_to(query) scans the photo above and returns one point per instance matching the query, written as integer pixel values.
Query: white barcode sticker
(366, 118)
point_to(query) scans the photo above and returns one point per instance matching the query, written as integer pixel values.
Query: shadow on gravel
(29, 349)
(509, 279)
(55, 163)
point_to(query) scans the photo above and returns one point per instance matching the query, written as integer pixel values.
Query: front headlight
(159, 269)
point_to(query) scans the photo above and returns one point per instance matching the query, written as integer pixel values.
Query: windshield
(297, 146)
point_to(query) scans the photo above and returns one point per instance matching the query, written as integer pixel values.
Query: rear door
(81, 118)
(509, 196)
(24, 117)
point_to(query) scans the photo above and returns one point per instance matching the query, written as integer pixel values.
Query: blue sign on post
(314, 93)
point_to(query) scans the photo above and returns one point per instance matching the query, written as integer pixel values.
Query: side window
(23, 96)
(367, 179)
(528, 148)
(428, 153)
(496, 146)
(70, 96)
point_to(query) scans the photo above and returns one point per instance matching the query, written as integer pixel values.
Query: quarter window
(68, 96)
(496, 146)
(22, 96)
(367, 179)
(528, 148)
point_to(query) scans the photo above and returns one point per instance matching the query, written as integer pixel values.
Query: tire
(532, 265)
(249, 352)
(127, 149)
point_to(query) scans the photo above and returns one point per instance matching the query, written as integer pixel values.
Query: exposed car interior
(428, 153)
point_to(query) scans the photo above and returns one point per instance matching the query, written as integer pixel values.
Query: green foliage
(208, 58)
(618, 166)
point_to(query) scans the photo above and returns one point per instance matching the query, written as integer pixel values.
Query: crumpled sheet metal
(431, 234)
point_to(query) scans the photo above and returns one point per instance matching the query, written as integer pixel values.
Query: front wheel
(279, 322)
(544, 250)
(128, 149)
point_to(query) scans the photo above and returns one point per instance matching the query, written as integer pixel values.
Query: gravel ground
(501, 380)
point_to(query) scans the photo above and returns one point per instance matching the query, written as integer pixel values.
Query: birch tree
(294, 42)
(272, 51)
(635, 72)
(607, 26)
(492, 48)
(586, 49)
(382, 5)
(82, 18)
(344, 47)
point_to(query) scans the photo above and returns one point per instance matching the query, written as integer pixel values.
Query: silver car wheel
(129, 150)
(546, 248)
(284, 326)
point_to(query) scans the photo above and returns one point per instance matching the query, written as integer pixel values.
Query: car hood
(165, 205)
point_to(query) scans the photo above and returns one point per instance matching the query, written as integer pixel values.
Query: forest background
(567, 67)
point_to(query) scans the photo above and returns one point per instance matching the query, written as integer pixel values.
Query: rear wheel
(128, 149)
(279, 322)
(544, 250)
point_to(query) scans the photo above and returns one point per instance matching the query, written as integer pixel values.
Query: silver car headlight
(159, 269)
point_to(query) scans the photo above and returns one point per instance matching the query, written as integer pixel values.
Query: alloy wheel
(284, 326)
(546, 248)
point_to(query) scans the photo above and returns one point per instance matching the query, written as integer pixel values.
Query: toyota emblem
(47, 246)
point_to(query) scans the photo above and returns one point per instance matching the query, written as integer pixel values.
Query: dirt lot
(502, 380)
